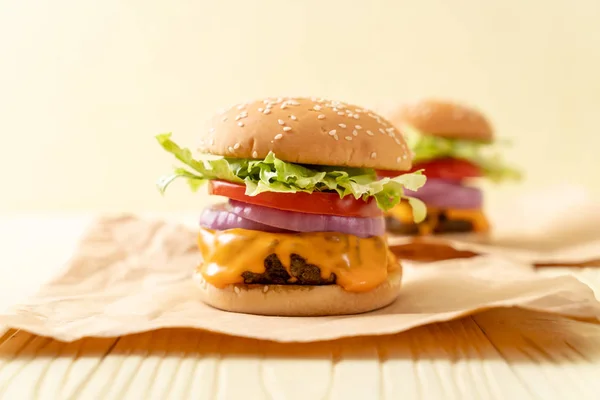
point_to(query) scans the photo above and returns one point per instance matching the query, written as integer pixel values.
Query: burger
(453, 145)
(302, 231)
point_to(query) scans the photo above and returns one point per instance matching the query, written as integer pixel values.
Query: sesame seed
(241, 106)
(281, 122)
(398, 159)
(283, 106)
(241, 124)
(321, 116)
(266, 288)
(332, 132)
(224, 119)
(404, 156)
(369, 133)
(358, 126)
(355, 132)
(278, 136)
(397, 141)
(236, 289)
(317, 107)
(382, 130)
(348, 138)
(230, 149)
(236, 146)
(356, 116)
(287, 128)
(267, 111)
(244, 114)
(340, 113)
(293, 103)
(359, 110)
(389, 129)
(237, 118)
(293, 117)
(342, 125)
(254, 154)
(269, 105)
(336, 137)
(212, 141)
(260, 109)
(335, 109)
(373, 155)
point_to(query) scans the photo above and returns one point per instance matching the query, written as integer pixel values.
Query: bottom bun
(299, 300)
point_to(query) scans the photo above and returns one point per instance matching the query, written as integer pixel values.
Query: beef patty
(301, 273)
(443, 225)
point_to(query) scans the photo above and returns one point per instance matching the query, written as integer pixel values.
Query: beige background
(84, 86)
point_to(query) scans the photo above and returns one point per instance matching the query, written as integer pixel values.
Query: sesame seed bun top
(307, 131)
(445, 119)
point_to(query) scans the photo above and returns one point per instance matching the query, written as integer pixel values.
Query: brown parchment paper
(130, 274)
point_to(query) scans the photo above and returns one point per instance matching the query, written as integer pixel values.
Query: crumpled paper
(130, 274)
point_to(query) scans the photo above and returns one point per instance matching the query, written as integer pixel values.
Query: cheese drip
(359, 264)
(403, 213)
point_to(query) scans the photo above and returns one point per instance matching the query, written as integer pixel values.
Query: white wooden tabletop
(499, 354)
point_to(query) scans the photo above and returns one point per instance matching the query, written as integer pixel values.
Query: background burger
(302, 232)
(453, 145)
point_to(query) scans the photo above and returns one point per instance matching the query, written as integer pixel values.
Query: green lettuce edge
(274, 175)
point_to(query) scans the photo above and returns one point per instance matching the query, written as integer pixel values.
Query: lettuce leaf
(275, 175)
(428, 147)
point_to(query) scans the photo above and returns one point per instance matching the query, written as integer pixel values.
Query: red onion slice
(448, 194)
(219, 217)
(303, 222)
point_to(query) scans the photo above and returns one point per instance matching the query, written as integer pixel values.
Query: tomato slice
(312, 203)
(452, 169)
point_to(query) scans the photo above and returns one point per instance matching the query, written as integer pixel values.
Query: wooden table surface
(498, 354)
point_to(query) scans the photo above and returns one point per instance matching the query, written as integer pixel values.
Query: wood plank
(239, 370)
(498, 354)
(492, 375)
(398, 368)
(556, 356)
(205, 356)
(83, 364)
(298, 371)
(116, 371)
(356, 369)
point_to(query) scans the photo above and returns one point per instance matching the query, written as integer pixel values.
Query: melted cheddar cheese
(403, 213)
(359, 264)
(476, 217)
